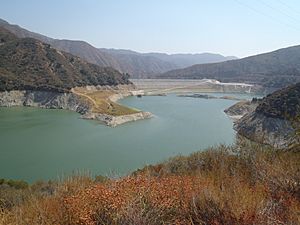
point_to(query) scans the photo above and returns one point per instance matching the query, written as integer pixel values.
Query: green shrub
(17, 184)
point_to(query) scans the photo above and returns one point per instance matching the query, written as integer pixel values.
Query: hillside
(28, 64)
(274, 69)
(276, 120)
(282, 104)
(137, 64)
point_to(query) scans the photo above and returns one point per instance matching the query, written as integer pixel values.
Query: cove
(47, 144)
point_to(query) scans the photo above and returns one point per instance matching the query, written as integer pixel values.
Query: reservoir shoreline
(79, 99)
(73, 101)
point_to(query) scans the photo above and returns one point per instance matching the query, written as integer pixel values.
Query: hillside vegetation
(275, 69)
(243, 184)
(283, 104)
(28, 64)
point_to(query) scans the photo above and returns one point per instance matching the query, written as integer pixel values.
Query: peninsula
(33, 73)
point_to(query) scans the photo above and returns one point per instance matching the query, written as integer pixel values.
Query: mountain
(170, 60)
(276, 119)
(137, 64)
(274, 69)
(185, 60)
(29, 64)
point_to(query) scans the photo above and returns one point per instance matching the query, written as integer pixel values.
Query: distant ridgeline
(275, 69)
(29, 64)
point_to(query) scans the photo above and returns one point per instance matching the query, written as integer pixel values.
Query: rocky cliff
(277, 132)
(275, 121)
(44, 99)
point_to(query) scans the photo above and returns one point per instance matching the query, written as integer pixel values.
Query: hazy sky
(228, 27)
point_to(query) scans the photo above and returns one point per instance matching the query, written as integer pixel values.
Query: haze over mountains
(138, 65)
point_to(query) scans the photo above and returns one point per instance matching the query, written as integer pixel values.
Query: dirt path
(86, 96)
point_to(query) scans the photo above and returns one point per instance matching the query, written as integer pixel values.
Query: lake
(47, 144)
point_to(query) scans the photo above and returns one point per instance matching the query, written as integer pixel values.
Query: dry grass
(243, 184)
(101, 103)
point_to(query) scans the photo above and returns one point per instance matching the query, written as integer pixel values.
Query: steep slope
(276, 120)
(28, 64)
(138, 65)
(275, 69)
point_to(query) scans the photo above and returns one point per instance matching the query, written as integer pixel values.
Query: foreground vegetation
(243, 184)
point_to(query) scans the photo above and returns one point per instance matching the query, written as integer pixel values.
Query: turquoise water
(47, 144)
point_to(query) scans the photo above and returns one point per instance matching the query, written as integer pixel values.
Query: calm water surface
(46, 144)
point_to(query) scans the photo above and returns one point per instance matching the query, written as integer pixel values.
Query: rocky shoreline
(255, 126)
(206, 96)
(73, 102)
(114, 121)
(240, 109)
(44, 99)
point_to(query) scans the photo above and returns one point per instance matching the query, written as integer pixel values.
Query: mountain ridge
(274, 69)
(139, 65)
